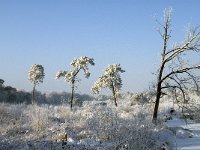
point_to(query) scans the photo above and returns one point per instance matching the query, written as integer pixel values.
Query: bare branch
(178, 76)
(177, 87)
(194, 80)
(180, 71)
(182, 81)
(192, 42)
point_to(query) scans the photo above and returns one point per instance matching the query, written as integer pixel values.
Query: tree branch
(180, 71)
(194, 80)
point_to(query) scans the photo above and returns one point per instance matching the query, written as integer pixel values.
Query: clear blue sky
(52, 33)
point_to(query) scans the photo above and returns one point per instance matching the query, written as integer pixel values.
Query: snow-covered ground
(187, 134)
(95, 125)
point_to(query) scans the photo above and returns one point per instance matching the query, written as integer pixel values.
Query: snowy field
(187, 134)
(96, 125)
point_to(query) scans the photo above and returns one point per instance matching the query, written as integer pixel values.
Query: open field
(95, 125)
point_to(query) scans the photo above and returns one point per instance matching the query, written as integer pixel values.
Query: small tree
(174, 72)
(36, 76)
(110, 79)
(71, 76)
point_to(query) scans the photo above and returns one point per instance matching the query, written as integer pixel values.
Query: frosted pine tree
(79, 64)
(110, 79)
(36, 76)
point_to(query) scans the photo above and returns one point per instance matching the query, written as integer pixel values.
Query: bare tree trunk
(159, 82)
(158, 91)
(158, 95)
(33, 94)
(72, 95)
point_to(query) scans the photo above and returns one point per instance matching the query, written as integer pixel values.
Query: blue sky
(52, 33)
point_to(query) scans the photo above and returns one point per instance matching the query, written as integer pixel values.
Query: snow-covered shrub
(102, 123)
(91, 127)
(143, 139)
(11, 117)
(38, 118)
(138, 98)
(61, 112)
(192, 107)
(188, 108)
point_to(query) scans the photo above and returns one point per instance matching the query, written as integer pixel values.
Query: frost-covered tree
(71, 76)
(36, 76)
(110, 79)
(175, 73)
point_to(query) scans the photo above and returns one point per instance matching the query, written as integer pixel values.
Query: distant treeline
(10, 94)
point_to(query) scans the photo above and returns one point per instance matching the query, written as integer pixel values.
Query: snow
(89, 142)
(188, 144)
(96, 127)
(187, 134)
(175, 123)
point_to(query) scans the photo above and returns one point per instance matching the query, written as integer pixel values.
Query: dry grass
(103, 124)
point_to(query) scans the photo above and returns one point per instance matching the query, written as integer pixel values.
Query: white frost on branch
(71, 76)
(36, 74)
(77, 65)
(111, 78)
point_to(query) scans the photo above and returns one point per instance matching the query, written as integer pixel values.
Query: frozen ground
(187, 134)
(93, 126)
(90, 127)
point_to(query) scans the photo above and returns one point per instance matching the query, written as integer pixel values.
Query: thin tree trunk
(72, 95)
(158, 95)
(33, 94)
(159, 82)
(114, 94)
(159, 89)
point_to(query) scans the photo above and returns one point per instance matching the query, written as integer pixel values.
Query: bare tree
(71, 76)
(36, 76)
(110, 79)
(174, 72)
